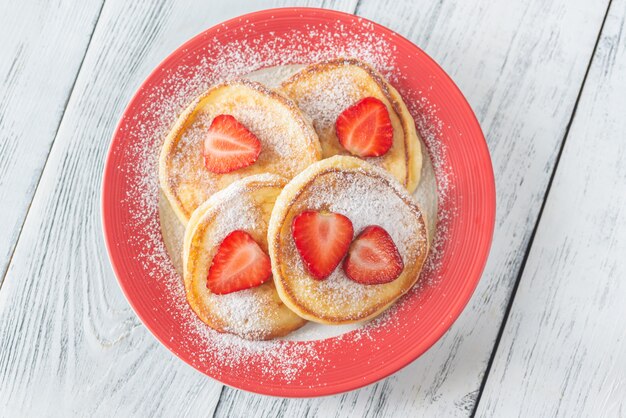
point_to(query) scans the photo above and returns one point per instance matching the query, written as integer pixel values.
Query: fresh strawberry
(229, 146)
(373, 257)
(322, 239)
(365, 129)
(238, 264)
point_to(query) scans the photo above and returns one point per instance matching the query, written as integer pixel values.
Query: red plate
(300, 368)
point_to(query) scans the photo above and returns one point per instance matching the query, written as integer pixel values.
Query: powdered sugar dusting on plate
(430, 129)
(287, 359)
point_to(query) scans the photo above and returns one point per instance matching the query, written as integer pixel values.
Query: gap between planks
(539, 216)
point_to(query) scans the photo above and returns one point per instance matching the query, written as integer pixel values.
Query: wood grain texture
(69, 342)
(43, 45)
(563, 351)
(520, 64)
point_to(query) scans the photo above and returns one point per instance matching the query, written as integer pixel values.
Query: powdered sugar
(236, 210)
(436, 172)
(273, 76)
(212, 350)
(324, 103)
(244, 312)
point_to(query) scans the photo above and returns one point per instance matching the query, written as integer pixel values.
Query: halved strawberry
(238, 264)
(229, 146)
(373, 257)
(322, 239)
(365, 128)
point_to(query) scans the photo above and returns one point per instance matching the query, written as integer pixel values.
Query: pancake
(289, 143)
(367, 195)
(256, 313)
(324, 90)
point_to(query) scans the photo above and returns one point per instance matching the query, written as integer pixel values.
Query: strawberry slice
(322, 239)
(229, 146)
(238, 264)
(373, 257)
(365, 128)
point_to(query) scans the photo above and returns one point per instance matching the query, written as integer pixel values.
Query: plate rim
(434, 335)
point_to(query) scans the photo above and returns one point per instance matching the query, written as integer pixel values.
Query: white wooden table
(544, 333)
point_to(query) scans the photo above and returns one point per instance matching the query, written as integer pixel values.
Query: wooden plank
(69, 342)
(520, 64)
(43, 45)
(563, 351)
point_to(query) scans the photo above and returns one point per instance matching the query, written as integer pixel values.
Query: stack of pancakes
(296, 201)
